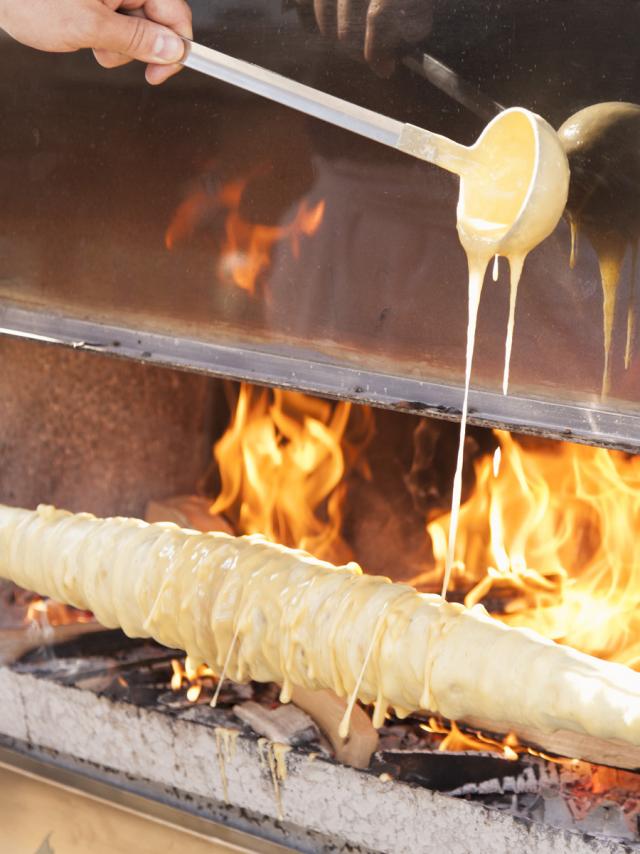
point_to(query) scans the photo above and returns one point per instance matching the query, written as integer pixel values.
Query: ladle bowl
(602, 143)
(515, 187)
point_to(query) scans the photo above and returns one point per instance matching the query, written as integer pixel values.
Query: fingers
(341, 19)
(381, 38)
(326, 14)
(380, 27)
(351, 15)
(157, 74)
(390, 23)
(175, 14)
(415, 20)
(109, 59)
(172, 13)
(135, 38)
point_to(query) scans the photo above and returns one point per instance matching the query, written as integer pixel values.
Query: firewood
(282, 725)
(327, 710)
(563, 742)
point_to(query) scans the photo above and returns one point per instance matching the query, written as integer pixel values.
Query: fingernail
(168, 48)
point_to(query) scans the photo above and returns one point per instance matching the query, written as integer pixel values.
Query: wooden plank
(41, 818)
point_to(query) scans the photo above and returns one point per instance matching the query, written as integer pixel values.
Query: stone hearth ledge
(341, 803)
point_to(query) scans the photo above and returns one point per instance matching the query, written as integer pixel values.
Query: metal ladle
(522, 201)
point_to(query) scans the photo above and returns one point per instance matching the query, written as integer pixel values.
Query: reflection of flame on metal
(246, 254)
(282, 465)
(46, 612)
(194, 678)
(246, 249)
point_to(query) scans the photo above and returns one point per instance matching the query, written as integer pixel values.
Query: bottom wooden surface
(41, 818)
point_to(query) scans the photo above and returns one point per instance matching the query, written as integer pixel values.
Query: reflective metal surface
(130, 207)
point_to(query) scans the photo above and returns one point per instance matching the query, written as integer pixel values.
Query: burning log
(256, 610)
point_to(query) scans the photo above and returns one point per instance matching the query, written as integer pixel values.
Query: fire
(46, 612)
(282, 466)
(454, 739)
(246, 248)
(194, 678)
(548, 539)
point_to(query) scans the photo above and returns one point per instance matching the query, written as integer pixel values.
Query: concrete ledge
(341, 803)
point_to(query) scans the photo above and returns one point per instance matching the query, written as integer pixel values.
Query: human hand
(150, 33)
(376, 27)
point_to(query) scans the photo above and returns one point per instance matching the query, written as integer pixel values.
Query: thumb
(138, 38)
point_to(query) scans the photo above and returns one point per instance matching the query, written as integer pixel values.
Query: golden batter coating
(257, 610)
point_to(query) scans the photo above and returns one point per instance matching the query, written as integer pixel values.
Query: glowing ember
(246, 248)
(282, 465)
(194, 679)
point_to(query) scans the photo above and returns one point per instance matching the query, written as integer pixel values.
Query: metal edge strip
(139, 805)
(567, 420)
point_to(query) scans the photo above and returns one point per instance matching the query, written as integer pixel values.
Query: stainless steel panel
(95, 167)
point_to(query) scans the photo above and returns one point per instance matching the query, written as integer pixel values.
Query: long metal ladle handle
(412, 140)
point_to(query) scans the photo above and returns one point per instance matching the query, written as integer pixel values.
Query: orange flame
(547, 539)
(548, 534)
(192, 677)
(282, 464)
(245, 254)
(550, 531)
(455, 739)
(47, 612)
